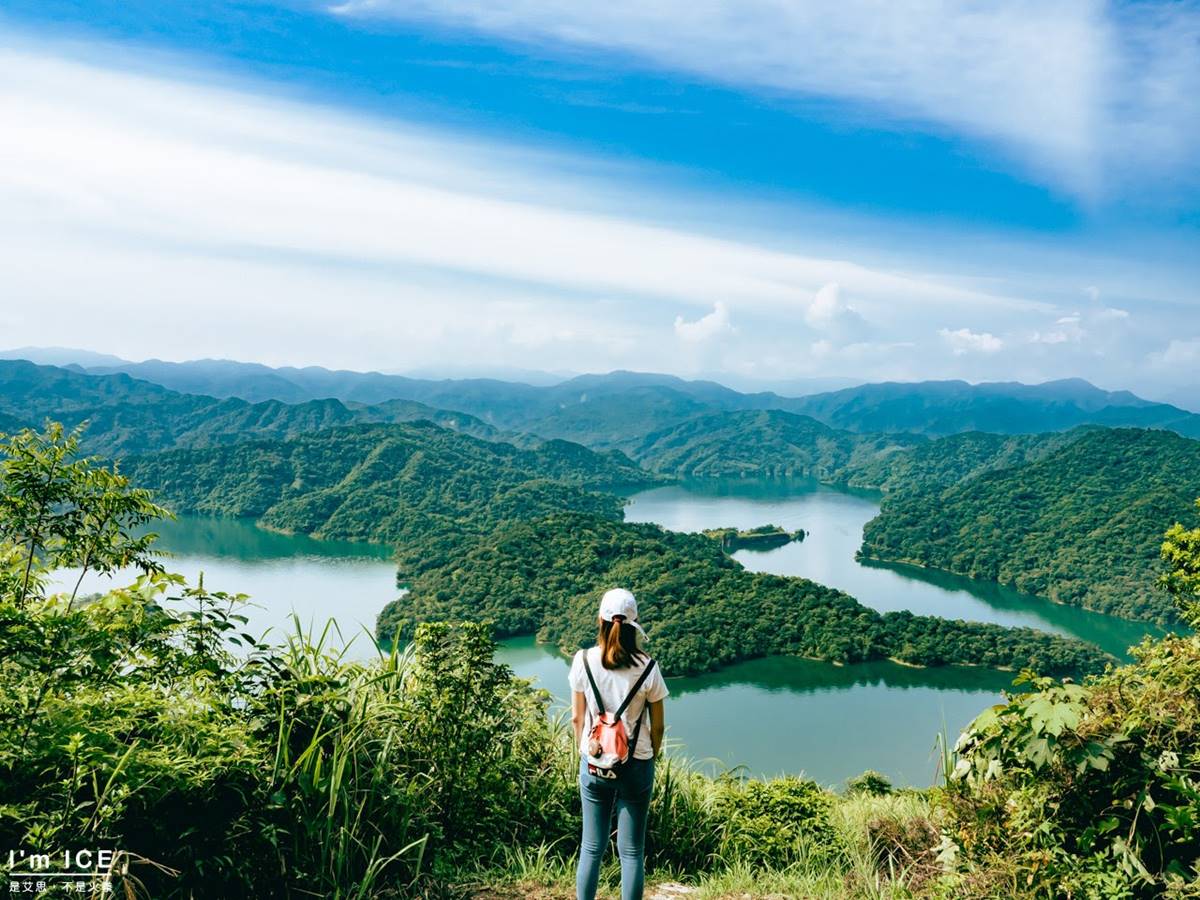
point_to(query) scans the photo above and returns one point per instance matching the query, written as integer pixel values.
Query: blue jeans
(631, 795)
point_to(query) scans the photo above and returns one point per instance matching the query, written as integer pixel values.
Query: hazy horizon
(99, 360)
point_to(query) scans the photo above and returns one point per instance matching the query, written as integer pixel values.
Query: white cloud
(1079, 327)
(1178, 353)
(706, 327)
(822, 349)
(1067, 330)
(964, 340)
(1078, 88)
(1050, 337)
(830, 314)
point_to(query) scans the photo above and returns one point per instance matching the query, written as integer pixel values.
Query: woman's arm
(578, 707)
(658, 726)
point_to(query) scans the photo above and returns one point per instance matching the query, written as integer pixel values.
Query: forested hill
(411, 483)
(950, 460)
(951, 407)
(127, 416)
(1081, 525)
(702, 608)
(764, 442)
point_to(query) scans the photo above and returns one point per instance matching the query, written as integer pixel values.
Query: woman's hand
(658, 727)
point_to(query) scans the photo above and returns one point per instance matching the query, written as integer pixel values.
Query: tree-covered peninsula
(1077, 525)
(414, 484)
(703, 609)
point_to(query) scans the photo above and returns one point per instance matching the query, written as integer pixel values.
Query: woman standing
(615, 688)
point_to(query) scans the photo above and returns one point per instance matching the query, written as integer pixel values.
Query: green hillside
(704, 610)
(616, 420)
(651, 416)
(950, 460)
(390, 483)
(769, 443)
(1079, 525)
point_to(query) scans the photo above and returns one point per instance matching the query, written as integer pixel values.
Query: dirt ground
(655, 892)
(538, 892)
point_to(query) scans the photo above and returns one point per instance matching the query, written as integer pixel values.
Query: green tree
(1181, 550)
(58, 510)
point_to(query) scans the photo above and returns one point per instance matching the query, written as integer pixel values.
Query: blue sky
(748, 190)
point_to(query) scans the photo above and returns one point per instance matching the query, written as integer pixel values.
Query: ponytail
(618, 644)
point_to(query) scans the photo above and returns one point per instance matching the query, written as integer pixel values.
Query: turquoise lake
(771, 715)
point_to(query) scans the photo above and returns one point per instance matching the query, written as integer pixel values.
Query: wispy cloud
(1178, 354)
(202, 179)
(1097, 323)
(1081, 90)
(157, 214)
(964, 340)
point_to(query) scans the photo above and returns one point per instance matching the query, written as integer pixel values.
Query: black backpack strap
(637, 686)
(637, 729)
(596, 690)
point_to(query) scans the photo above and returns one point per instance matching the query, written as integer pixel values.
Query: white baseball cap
(620, 602)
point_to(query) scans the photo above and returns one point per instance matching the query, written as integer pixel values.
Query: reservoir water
(834, 520)
(770, 716)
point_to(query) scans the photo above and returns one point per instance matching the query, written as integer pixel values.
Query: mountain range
(1071, 512)
(614, 410)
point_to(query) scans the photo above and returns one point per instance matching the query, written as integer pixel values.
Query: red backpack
(609, 748)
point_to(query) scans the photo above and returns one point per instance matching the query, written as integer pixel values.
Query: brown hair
(618, 644)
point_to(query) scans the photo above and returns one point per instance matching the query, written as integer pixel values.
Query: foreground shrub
(774, 823)
(1094, 789)
(871, 783)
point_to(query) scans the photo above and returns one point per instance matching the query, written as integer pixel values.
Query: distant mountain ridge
(950, 407)
(678, 428)
(618, 410)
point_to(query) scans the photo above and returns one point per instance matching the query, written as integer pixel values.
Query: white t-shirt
(614, 685)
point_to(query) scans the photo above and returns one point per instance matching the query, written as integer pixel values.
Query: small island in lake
(764, 537)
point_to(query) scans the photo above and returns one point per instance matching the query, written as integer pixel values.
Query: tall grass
(945, 754)
(337, 751)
